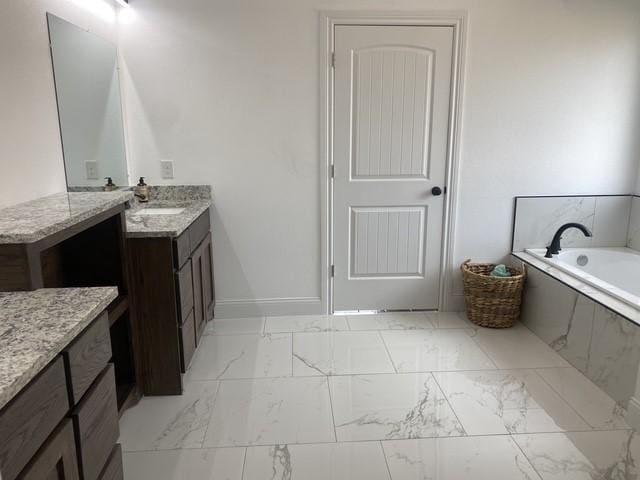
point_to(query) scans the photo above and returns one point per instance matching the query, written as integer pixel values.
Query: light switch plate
(166, 169)
(91, 169)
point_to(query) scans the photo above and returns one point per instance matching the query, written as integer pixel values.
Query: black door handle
(436, 191)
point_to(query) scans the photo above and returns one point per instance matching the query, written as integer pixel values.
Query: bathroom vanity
(58, 399)
(171, 262)
(76, 240)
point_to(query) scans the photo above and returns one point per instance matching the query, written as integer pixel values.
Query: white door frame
(328, 20)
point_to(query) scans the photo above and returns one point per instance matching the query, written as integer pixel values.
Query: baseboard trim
(455, 303)
(633, 413)
(258, 307)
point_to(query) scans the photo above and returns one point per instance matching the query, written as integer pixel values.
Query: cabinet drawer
(96, 424)
(181, 249)
(56, 459)
(184, 280)
(27, 421)
(87, 356)
(187, 342)
(199, 229)
(113, 468)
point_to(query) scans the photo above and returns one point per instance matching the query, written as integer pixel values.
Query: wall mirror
(85, 69)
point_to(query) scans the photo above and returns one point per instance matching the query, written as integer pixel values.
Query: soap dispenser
(142, 191)
(110, 186)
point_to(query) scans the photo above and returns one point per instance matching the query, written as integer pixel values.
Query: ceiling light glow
(99, 8)
(126, 15)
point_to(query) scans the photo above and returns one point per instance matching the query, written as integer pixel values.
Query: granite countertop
(36, 326)
(141, 226)
(32, 221)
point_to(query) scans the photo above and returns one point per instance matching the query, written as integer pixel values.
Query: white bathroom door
(392, 87)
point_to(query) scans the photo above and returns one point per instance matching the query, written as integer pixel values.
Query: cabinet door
(208, 292)
(31, 417)
(56, 460)
(199, 311)
(96, 422)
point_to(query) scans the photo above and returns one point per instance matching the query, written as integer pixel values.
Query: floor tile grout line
(333, 416)
(446, 397)
(386, 348)
(540, 476)
(250, 445)
(244, 462)
(226, 334)
(480, 370)
(292, 353)
(213, 405)
(473, 338)
(433, 326)
(386, 460)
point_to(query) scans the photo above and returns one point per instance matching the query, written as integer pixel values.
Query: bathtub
(614, 271)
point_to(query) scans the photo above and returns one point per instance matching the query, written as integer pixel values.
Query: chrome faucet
(554, 248)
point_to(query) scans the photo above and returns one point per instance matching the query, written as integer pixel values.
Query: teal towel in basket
(500, 271)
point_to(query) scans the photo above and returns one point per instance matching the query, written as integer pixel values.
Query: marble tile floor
(389, 396)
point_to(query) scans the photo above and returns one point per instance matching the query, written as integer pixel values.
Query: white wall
(31, 162)
(229, 91)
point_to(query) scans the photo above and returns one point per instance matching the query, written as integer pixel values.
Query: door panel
(391, 116)
(392, 89)
(387, 241)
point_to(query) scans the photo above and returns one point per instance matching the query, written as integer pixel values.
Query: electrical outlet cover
(166, 168)
(91, 168)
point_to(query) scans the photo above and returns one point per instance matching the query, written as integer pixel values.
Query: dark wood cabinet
(203, 294)
(187, 341)
(27, 421)
(96, 423)
(113, 469)
(173, 289)
(87, 356)
(91, 253)
(57, 459)
(63, 425)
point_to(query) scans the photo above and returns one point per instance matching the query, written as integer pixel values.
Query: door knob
(436, 191)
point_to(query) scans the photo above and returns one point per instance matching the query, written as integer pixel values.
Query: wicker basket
(492, 302)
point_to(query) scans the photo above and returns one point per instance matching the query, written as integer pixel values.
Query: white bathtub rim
(589, 279)
(608, 301)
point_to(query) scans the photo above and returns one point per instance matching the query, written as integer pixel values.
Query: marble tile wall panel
(634, 224)
(560, 316)
(614, 355)
(538, 218)
(598, 342)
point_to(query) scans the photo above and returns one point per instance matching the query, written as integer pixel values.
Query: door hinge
(332, 171)
(333, 271)
(333, 59)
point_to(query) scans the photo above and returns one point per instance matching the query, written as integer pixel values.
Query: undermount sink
(160, 211)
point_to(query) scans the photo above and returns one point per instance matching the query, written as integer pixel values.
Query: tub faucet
(554, 248)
